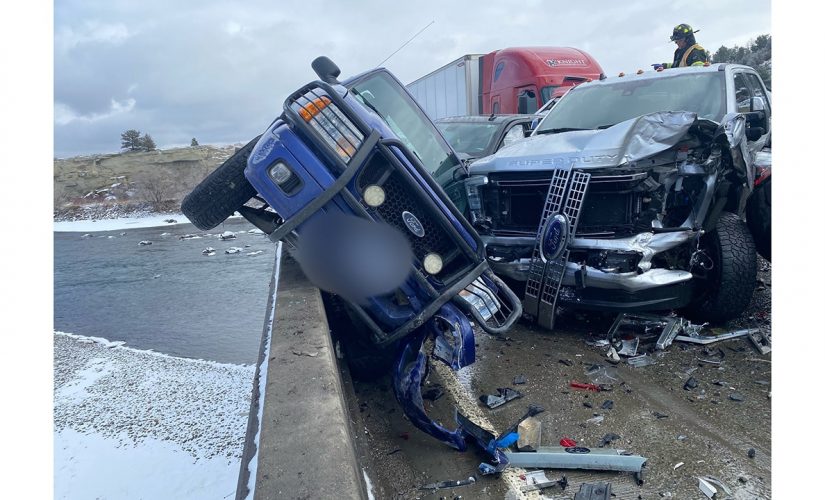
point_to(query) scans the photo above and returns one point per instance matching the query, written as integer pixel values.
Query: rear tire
(221, 193)
(727, 290)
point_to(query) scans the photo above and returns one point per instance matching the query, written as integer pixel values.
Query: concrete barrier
(299, 442)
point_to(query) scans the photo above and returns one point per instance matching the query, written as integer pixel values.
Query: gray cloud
(220, 71)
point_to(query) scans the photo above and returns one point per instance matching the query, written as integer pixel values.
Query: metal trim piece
(556, 457)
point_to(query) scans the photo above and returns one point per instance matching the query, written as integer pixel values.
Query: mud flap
(455, 346)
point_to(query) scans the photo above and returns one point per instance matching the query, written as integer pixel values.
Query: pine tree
(131, 140)
(148, 143)
(756, 54)
(194, 142)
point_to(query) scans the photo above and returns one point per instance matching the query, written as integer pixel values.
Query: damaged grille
(614, 206)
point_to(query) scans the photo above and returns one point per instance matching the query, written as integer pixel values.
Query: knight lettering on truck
(505, 81)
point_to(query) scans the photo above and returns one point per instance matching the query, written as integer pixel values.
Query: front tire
(726, 290)
(758, 212)
(221, 193)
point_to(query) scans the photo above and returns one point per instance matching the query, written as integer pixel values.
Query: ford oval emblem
(413, 224)
(554, 240)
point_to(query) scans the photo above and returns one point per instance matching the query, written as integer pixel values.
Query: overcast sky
(219, 71)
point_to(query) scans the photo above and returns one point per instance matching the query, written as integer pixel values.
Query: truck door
(527, 99)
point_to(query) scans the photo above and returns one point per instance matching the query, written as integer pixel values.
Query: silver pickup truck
(630, 194)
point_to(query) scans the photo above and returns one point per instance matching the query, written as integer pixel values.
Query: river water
(167, 296)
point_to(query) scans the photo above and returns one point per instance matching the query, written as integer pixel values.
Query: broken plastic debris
(596, 420)
(567, 442)
(678, 465)
(706, 488)
(519, 380)
(607, 405)
(708, 485)
(593, 491)
(448, 484)
(537, 480)
(529, 434)
(691, 383)
(640, 361)
(566, 362)
(504, 395)
(659, 415)
(613, 356)
(762, 341)
(608, 438)
(629, 347)
(735, 396)
(709, 339)
(599, 374)
(586, 387)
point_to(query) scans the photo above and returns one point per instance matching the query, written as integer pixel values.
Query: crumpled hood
(627, 141)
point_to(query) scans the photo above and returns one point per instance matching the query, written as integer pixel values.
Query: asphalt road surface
(708, 430)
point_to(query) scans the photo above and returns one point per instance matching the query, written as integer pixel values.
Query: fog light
(433, 263)
(374, 195)
(279, 173)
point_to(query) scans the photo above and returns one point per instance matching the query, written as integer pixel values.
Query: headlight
(374, 195)
(433, 263)
(332, 125)
(471, 185)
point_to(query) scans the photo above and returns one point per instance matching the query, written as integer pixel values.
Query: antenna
(405, 43)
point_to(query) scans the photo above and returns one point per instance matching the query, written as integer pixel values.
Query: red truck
(511, 80)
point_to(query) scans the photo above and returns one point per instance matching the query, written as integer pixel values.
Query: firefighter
(688, 52)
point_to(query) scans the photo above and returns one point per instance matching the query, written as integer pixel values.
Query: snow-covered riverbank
(90, 225)
(139, 424)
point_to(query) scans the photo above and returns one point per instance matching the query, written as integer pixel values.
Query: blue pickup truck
(358, 161)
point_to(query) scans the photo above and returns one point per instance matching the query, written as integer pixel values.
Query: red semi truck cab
(522, 79)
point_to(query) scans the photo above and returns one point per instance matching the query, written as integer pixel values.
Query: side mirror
(757, 104)
(326, 70)
(535, 123)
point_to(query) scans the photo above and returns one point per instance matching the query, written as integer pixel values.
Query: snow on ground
(88, 225)
(132, 424)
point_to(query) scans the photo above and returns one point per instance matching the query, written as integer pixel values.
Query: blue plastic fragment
(455, 346)
(454, 338)
(507, 441)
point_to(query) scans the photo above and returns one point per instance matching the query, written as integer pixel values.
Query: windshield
(602, 105)
(470, 138)
(384, 95)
